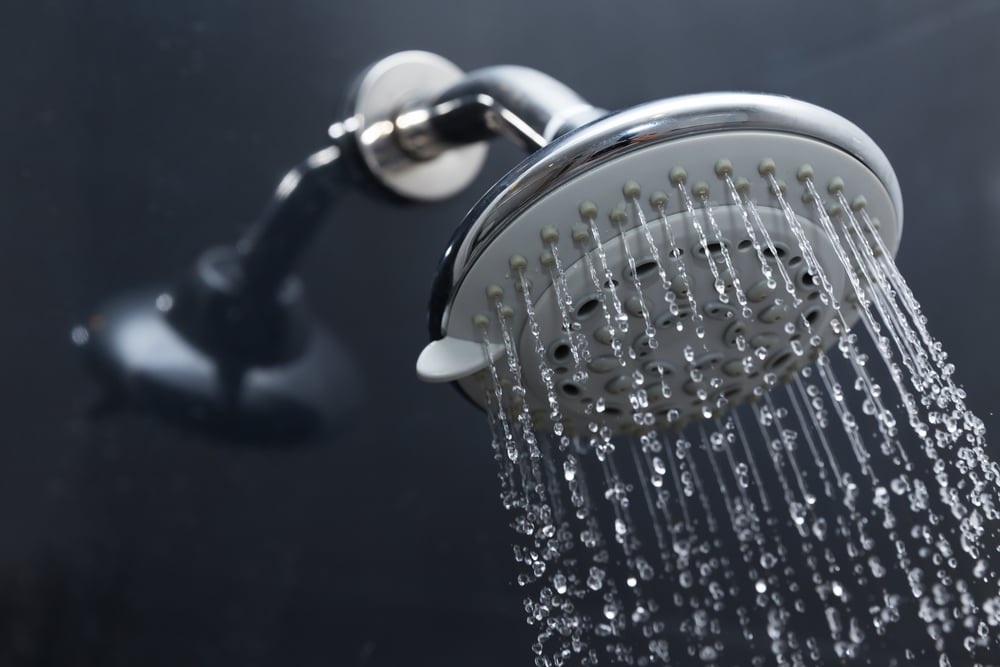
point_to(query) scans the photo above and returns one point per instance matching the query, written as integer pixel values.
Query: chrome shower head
(679, 247)
(657, 266)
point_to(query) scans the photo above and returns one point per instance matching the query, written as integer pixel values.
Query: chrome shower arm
(420, 123)
(522, 104)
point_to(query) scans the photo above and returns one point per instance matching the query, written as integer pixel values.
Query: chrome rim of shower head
(693, 132)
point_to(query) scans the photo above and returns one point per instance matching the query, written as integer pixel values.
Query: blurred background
(133, 134)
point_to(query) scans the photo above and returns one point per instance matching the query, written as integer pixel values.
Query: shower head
(686, 248)
(654, 267)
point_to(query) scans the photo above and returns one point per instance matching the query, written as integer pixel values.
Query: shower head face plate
(710, 350)
(722, 355)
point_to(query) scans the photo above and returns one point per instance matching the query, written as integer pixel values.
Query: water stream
(848, 513)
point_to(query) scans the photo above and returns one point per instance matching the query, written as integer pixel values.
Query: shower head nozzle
(692, 251)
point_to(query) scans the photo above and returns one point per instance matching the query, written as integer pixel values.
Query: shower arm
(526, 106)
(420, 144)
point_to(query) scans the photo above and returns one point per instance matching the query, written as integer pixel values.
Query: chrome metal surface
(522, 104)
(381, 93)
(630, 130)
(420, 124)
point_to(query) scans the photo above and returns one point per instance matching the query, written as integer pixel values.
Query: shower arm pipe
(526, 106)
(420, 124)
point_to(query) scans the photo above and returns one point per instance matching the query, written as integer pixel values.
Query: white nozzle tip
(588, 210)
(450, 359)
(549, 234)
(581, 233)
